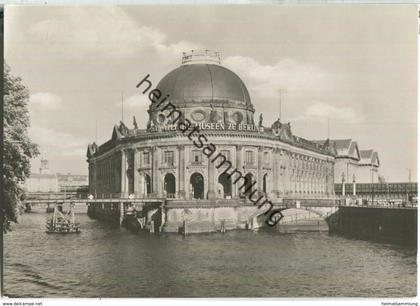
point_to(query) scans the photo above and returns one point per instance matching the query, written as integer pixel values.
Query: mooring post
(185, 228)
(254, 223)
(121, 212)
(152, 227)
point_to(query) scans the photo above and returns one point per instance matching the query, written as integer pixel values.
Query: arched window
(248, 183)
(169, 185)
(226, 182)
(197, 186)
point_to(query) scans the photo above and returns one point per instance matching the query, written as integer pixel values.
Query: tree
(18, 148)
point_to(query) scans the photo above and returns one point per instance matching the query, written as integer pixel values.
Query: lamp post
(354, 185)
(372, 187)
(95, 171)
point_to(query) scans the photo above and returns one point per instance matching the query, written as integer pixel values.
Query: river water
(104, 261)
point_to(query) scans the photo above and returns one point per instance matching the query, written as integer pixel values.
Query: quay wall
(204, 216)
(210, 219)
(176, 216)
(391, 225)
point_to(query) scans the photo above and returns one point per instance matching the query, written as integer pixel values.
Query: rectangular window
(249, 157)
(196, 156)
(146, 158)
(168, 158)
(266, 158)
(226, 153)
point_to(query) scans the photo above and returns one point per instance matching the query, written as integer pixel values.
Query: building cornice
(217, 137)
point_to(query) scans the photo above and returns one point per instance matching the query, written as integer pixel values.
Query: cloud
(139, 101)
(286, 74)
(136, 105)
(58, 143)
(44, 101)
(108, 32)
(320, 112)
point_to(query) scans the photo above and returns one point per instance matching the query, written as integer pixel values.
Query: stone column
(286, 174)
(276, 172)
(260, 170)
(296, 177)
(332, 186)
(211, 194)
(141, 185)
(239, 165)
(268, 184)
(124, 183)
(343, 185)
(92, 179)
(181, 172)
(155, 178)
(136, 176)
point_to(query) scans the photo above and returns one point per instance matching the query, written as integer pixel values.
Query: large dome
(204, 92)
(204, 83)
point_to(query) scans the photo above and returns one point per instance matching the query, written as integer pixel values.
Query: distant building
(45, 181)
(352, 163)
(368, 167)
(71, 182)
(44, 167)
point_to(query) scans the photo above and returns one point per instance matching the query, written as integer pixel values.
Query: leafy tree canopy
(18, 148)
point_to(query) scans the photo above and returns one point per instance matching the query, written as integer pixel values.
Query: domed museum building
(165, 162)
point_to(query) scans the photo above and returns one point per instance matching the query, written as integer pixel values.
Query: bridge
(379, 192)
(197, 216)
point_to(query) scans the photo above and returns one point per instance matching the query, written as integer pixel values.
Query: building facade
(369, 167)
(72, 182)
(43, 181)
(47, 182)
(162, 162)
(352, 164)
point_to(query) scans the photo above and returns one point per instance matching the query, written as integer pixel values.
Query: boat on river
(61, 223)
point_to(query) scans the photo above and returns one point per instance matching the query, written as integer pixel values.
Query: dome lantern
(203, 57)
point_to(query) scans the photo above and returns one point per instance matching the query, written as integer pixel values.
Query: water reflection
(104, 261)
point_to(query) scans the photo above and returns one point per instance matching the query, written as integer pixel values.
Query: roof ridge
(211, 82)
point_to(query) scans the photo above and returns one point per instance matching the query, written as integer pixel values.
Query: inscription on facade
(210, 126)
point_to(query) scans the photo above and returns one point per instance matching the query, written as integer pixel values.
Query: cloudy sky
(355, 65)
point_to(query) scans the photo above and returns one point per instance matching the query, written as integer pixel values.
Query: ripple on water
(104, 261)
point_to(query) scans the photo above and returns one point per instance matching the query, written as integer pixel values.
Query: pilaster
(181, 172)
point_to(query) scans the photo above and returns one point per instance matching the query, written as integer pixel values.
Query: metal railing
(197, 56)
